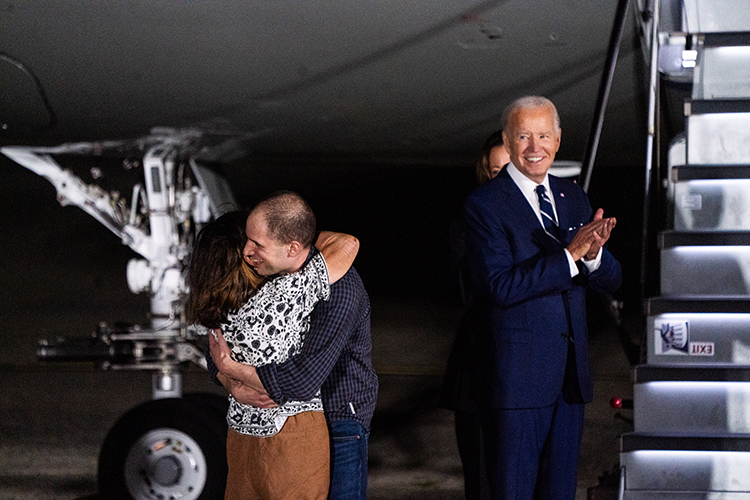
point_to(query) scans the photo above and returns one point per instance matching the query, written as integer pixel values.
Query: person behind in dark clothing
(458, 392)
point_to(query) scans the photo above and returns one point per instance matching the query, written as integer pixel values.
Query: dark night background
(61, 267)
(62, 273)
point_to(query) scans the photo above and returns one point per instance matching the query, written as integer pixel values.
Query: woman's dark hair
(219, 279)
(484, 172)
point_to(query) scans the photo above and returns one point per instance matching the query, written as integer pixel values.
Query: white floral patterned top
(270, 328)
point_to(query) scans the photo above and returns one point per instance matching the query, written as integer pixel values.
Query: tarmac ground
(54, 418)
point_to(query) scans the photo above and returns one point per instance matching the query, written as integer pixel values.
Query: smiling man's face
(532, 140)
(266, 255)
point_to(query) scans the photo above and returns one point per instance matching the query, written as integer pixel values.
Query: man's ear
(294, 249)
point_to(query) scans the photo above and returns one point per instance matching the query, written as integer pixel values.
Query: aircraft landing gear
(169, 448)
(166, 449)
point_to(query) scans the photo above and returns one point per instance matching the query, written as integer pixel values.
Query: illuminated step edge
(692, 408)
(710, 205)
(699, 16)
(705, 263)
(722, 72)
(708, 270)
(673, 463)
(698, 339)
(718, 132)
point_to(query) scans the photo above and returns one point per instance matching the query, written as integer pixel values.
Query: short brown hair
(288, 218)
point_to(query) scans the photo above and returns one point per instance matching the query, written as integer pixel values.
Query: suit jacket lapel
(526, 215)
(569, 225)
(561, 207)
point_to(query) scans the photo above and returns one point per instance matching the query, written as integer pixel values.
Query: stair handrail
(615, 40)
(650, 137)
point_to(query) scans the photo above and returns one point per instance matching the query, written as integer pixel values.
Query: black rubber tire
(209, 402)
(171, 424)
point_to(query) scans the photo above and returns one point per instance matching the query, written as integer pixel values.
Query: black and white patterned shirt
(270, 328)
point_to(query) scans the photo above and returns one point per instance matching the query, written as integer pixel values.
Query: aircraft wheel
(210, 402)
(165, 449)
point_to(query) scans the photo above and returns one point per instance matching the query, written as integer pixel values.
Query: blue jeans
(348, 460)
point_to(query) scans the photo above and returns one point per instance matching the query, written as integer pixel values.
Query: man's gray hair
(529, 102)
(288, 218)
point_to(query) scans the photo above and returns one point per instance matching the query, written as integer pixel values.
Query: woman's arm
(239, 379)
(245, 394)
(339, 251)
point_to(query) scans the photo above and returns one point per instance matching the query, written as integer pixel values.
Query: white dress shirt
(528, 188)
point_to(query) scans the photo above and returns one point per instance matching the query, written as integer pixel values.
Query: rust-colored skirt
(292, 465)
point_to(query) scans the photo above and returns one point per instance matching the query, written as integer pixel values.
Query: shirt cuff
(593, 265)
(571, 264)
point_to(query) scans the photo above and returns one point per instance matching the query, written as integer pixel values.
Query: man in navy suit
(531, 276)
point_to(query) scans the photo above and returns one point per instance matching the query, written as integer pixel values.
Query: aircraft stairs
(691, 396)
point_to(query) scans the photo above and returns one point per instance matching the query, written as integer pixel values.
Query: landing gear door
(213, 184)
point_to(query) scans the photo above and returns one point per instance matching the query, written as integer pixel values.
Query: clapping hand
(591, 238)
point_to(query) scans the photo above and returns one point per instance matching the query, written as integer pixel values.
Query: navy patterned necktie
(548, 215)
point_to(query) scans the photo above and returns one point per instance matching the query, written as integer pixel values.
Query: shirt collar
(310, 254)
(523, 182)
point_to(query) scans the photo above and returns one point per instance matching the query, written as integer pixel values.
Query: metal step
(698, 107)
(699, 200)
(718, 132)
(692, 408)
(718, 205)
(664, 463)
(687, 401)
(698, 339)
(705, 263)
(701, 16)
(691, 402)
(723, 66)
(692, 399)
(697, 331)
